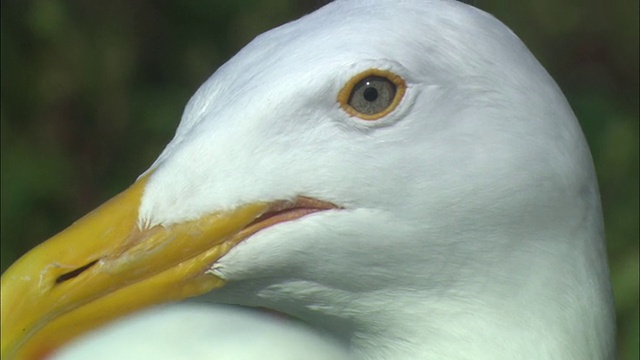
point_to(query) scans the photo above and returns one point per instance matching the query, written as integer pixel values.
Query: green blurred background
(93, 90)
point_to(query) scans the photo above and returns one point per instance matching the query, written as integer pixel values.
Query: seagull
(404, 177)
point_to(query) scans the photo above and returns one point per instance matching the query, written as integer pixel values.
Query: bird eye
(372, 94)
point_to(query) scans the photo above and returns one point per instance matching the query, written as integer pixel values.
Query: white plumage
(198, 331)
(469, 222)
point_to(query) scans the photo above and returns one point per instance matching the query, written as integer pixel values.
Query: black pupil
(370, 94)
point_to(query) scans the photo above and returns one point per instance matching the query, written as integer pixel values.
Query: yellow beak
(104, 266)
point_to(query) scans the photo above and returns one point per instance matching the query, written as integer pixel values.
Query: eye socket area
(372, 94)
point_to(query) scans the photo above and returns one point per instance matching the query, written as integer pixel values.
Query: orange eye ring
(366, 86)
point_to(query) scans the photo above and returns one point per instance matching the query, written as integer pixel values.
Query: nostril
(73, 273)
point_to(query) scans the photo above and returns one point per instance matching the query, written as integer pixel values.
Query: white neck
(524, 301)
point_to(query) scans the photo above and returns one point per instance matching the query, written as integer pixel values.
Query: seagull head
(405, 176)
